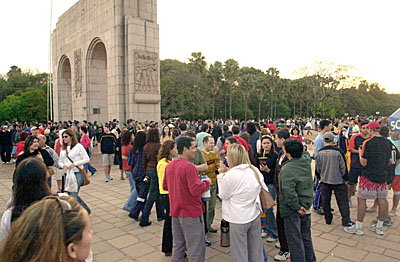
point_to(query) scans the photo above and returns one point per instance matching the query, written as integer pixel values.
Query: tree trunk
(230, 103)
(259, 110)
(213, 106)
(272, 104)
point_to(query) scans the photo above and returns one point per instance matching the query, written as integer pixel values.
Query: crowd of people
(184, 168)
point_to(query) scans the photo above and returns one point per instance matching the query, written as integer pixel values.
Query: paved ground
(119, 238)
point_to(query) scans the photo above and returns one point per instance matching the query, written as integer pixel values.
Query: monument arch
(97, 82)
(113, 59)
(64, 96)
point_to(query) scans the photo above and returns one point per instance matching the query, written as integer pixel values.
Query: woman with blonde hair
(53, 229)
(239, 188)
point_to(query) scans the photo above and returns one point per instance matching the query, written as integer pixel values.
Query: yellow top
(212, 160)
(161, 165)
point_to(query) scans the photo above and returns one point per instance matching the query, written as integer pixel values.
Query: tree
(272, 78)
(197, 64)
(231, 76)
(215, 77)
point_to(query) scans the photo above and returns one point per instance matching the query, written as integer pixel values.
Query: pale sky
(260, 33)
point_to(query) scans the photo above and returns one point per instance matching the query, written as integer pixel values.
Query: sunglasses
(64, 204)
(65, 136)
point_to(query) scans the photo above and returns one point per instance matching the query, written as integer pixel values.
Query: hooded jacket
(295, 185)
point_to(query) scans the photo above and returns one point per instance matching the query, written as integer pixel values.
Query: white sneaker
(282, 256)
(278, 245)
(271, 239)
(264, 234)
(374, 228)
(353, 230)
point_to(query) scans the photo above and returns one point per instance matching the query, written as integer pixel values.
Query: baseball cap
(373, 125)
(329, 137)
(33, 128)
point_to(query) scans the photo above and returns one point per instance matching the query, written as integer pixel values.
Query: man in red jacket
(186, 209)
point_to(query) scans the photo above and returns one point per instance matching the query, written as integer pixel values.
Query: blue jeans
(79, 181)
(269, 213)
(154, 196)
(132, 197)
(89, 167)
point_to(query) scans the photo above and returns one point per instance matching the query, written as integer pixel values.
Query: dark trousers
(5, 152)
(167, 229)
(298, 235)
(341, 200)
(205, 217)
(142, 189)
(281, 229)
(154, 196)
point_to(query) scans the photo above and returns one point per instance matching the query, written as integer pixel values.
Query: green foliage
(195, 90)
(23, 95)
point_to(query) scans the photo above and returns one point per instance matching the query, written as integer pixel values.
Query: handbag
(86, 180)
(267, 201)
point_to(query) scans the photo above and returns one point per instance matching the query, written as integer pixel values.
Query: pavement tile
(123, 241)
(323, 245)
(109, 256)
(349, 253)
(137, 250)
(111, 233)
(372, 257)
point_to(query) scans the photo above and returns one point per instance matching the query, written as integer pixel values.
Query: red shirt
(182, 182)
(20, 147)
(297, 137)
(241, 141)
(125, 152)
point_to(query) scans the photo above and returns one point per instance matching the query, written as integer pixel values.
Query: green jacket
(295, 185)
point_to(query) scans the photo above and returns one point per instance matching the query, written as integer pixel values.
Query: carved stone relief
(78, 72)
(146, 72)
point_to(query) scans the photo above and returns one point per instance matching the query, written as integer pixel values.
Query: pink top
(85, 141)
(58, 149)
(182, 182)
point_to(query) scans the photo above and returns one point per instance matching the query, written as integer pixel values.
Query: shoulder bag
(86, 180)
(267, 201)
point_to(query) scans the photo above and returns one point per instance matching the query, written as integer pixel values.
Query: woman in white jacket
(77, 153)
(239, 190)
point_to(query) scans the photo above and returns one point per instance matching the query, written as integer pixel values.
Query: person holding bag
(240, 188)
(72, 158)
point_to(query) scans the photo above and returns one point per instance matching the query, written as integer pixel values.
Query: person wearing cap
(355, 166)
(34, 131)
(330, 168)
(374, 155)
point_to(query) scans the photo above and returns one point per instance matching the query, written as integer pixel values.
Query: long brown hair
(43, 232)
(72, 135)
(272, 150)
(165, 150)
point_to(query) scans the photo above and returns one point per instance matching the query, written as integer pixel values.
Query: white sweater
(77, 154)
(239, 191)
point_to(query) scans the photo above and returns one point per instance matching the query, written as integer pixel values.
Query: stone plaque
(146, 72)
(78, 72)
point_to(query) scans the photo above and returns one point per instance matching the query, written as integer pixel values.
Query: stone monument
(106, 61)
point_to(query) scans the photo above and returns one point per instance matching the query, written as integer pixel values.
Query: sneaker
(106, 179)
(111, 178)
(207, 241)
(145, 224)
(212, 230)
(387, 223)
(271, 239)
(353, 230)
(282, 256)
(264, 234)
(374, 228)
(278, 245)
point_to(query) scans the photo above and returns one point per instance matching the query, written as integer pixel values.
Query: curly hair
(165, 150)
